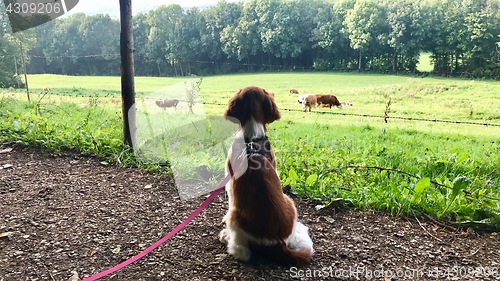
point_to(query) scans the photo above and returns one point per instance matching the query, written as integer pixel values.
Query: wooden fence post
(127, 72)
(25, 74)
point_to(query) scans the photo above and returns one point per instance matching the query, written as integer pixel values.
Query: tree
(99, 45)
(444, 34)
(329, 37)
(243, 40)
(481, 32)
(144, 62)
(188, 46)
(65, 41)
(44, 38)
(282, 26)
(380, 35)
(405, 35)
(8, 61)
(363, 23)
(79, 44)
(127, 72)
(164, 22)
(218, 18)
(10, 53)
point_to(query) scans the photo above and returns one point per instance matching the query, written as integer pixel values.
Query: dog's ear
(238, 109)
(270, 108)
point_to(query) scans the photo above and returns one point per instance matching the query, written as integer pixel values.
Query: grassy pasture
(445, 170)
(448, 99)
(425, 63)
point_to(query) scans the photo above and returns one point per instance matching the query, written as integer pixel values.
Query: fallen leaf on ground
(117, 249)
(6, 166)
(6, 150)
(6, 234)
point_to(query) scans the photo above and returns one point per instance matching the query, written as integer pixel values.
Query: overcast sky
(91, 7)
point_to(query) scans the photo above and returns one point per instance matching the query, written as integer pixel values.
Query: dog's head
(253, 102)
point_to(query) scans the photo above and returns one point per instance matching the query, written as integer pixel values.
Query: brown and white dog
(329, 100)
(260, 215)
(294, 91)
(167, 103)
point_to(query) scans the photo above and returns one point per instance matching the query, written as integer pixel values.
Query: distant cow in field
(294, 92)
(346, 103)
(329, 100)
(167, 103)
(307, 101)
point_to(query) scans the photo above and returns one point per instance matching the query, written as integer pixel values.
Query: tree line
(462, 36)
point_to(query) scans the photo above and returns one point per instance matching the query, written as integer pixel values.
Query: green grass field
(332, 156)
(425, 63)
(426, 98)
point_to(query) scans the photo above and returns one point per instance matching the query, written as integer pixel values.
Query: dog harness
(254, 146)
(258, 145)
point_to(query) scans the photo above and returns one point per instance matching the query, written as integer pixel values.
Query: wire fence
(241, 64)
(248, 65)
(384, 117)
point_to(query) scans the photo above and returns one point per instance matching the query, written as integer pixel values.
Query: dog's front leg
(237, 243)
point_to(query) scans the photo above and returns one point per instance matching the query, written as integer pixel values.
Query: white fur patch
(299, 238)
(253, 129)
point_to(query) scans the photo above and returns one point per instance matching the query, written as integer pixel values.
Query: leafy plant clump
(84, 127)
(387, 170)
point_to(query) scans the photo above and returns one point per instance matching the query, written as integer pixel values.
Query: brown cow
(307, 101)
(329, 99)
(167, 103)
(294, 91)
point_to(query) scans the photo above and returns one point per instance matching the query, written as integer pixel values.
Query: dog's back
(268, 215)
(262, 210)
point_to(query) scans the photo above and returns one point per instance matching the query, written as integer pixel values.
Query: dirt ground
(66, 217)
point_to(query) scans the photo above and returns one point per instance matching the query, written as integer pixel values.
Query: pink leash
(166, 237)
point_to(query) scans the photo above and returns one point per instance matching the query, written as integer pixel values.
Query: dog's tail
(299, 257)
(285, 255)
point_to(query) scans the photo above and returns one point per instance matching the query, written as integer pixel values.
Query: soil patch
(69, 215)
